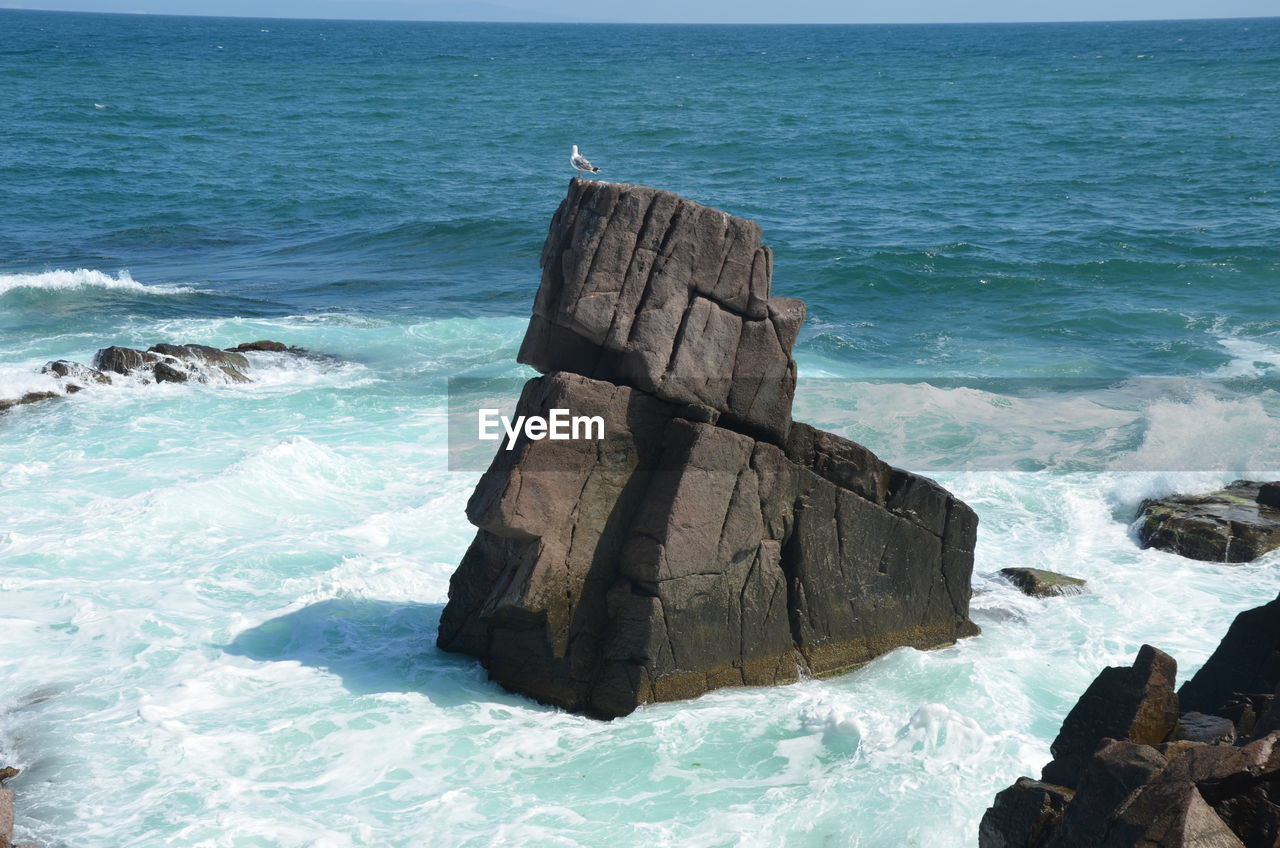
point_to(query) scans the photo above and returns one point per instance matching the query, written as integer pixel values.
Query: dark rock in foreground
(707, 540)
(1160, 779)
(1043, 584)
(1237, 524)
(1247, 660)
(1137, 703)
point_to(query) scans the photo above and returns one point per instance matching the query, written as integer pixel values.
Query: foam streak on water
(1040, 264)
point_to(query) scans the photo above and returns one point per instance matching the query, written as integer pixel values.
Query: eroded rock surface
(707, 540)
(1237, 524)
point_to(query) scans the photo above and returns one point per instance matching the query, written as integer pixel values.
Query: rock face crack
(708, 540)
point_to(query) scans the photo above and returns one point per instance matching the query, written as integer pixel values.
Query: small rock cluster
(1138, 764)
(161, 363)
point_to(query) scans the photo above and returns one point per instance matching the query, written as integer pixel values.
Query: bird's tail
(594, 169)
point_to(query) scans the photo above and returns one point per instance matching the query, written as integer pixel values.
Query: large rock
(677, 556)
(1237, 524)
(1246, 661)
(705, 541)
(644, 288)
(1135, 703)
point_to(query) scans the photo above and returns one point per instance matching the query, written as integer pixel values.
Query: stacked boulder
(1137, 764)
(706, 540)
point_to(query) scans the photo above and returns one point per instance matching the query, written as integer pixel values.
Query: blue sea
(1041, 265)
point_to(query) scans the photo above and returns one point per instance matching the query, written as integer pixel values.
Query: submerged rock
(1043, 584)
(706, 540)
(28, 398)
(1237, 524)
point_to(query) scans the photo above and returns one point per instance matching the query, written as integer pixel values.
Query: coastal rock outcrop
(161, 363)
(706, 540)
(1128, 770)
(1237, 524)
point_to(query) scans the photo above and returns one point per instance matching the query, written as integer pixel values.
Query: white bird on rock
(580, 162)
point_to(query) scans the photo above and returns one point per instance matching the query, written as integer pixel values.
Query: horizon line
(142, 13)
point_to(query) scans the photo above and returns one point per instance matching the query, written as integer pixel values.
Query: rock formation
(706, 540)
(161, 363)
(1129, 771)
(1237, 524)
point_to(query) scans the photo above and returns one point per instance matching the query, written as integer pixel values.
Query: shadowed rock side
(703, 542)
(1129, 771)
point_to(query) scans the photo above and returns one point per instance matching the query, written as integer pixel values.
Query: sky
(686, 11)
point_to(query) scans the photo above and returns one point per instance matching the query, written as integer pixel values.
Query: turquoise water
(1040, 263)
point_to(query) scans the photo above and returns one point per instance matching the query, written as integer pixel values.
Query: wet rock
(28, 398)
(1134, 703)
(262, 345)
(1236, 524)
(229, 363)
(82, 375)
(166, 373)
(122, 360)
(1247, 660)
(1198, 727)
(1023, 816)
(1043, 584)
(706, 541)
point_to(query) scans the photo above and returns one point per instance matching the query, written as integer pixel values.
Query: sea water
(1040, 264)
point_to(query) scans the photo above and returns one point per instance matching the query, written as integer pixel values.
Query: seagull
(580, 162)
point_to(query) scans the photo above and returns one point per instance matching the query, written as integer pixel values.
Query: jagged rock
(122, 360)
(1237, 524)
(1135, 703)
(1043, 584)
(1197, 790)
(644, 288)
(706, 541)
(1023, 816)
(28, 398)
(1247, 660)
(1198, 727)
(1106, 782)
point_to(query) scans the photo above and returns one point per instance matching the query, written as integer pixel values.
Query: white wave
(83, 278)
(1249, 358)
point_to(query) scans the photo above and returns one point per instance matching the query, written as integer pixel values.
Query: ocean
(1040, 263)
